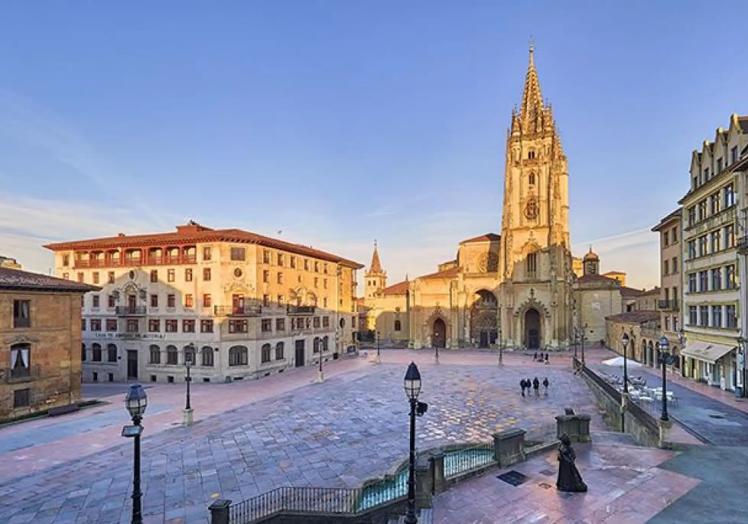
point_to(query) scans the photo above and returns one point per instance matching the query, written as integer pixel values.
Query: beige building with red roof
(234, 303)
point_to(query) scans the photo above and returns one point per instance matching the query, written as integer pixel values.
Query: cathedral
(514, 289)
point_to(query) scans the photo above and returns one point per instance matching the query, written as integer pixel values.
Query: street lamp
(320, 372)
(625, 342)
(583, 337)
(136, 401)
(379, 353)
(664, 359)
(501, 349)
(189, 352)
(412, 386)
(682, 342)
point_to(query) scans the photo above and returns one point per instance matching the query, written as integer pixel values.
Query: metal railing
(135, 261)
(461, 461)
(300, 310)
(21, 374)
(249, 310)
(130, 310)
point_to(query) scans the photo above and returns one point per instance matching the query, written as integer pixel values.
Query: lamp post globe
(412, 386)
(136, 401)
(664, 357)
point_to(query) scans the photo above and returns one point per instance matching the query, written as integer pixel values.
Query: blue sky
(340, 122)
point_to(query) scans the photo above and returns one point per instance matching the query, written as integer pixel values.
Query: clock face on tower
(531, 209)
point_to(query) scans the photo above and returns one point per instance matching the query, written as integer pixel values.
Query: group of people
(527, 384)
(540, 357)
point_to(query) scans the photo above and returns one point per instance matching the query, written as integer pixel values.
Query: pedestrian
(545, 385)
(523, 385)
(536, 386)
(535, 356)
(546, 358)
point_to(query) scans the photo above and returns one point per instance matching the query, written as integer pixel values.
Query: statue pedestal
(664, 438)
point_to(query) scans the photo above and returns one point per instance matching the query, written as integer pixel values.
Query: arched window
(20, 360)
(207, 356)
(531, 179)
(238, 356)
(279, 351)
(265, 353)
(532, 263)
(83, 352)
(531, 154)
(154, 354)
(172, 355)
(111, 353)
(315, 346)
(325, 343)
(96, 349)
(397, 325)
(189, 355)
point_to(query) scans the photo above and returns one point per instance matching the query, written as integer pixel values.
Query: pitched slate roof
(17, 279)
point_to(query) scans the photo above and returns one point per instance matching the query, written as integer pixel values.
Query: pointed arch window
(532, 264)
(531, 179)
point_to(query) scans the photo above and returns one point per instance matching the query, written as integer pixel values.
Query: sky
(336, 123)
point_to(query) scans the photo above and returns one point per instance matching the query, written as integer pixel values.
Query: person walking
(545, 386)
(523, 385)
(536, 386)
(535, 357)
(546, 359)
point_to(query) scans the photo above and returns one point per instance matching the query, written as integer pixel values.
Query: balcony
(742, 245)
(21, 374)
(254, 310)
(300, 310)
(153, 260)
(668, 305)
(130, 311)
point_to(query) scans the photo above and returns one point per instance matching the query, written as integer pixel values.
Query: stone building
(40, 342)
(643, 328)
(236, 304)
(596, 297)
(711, 295)
(8, 262)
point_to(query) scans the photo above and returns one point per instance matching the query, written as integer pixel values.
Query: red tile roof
(483, 238)
(25, 280)
(635, 317)
(397, 289)
(447, 273)
(193, 233)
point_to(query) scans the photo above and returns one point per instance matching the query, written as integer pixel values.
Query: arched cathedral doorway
(532, 329)
(483, 321)
(439, 334)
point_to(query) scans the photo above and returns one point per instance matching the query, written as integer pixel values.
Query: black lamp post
(136, 402)
(379, 354)
(583, 338)
(625, 342)
(320, 372)
(189, 352)
(664, 359)
(412, 385)
(501, 349)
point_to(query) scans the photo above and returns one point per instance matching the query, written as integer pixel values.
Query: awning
(706, 351)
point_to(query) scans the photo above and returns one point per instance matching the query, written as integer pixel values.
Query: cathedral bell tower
(536, 196)
(376, 278)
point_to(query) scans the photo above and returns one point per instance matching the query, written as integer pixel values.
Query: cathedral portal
(439, 334)
(532, 329)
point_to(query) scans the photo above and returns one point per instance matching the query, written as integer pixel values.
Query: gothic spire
(532, 99)
(375, 266)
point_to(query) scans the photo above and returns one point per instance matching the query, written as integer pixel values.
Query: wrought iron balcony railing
(300, 310)
(21, 373)
(251, 310)
(130, 311)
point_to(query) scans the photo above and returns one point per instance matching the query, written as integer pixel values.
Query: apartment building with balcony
(671, 291)
(711, 279)
(40, 341)
(233, 303)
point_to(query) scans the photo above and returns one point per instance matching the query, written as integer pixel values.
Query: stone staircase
(424, 517)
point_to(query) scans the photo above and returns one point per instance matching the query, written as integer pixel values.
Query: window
(238, 356)
(111, 353)
(132, 325)
(316, 266)
(188, 301)
(83, 324)
(206, 326)
(691, 249)
(324, 302)
(316, 345)
(716, 316)
(238, 326)
(171, 325)
(20, 360)
(325, 321)
(95, 277)
(665, 238)
(714, 204)
(716, 279)
(111, 301)
(325, 343)
(674, 265)
(531, 154)
(21, 398)
(154, 275)
(665, 267)
(702, 210)
(730, 276)
(188, 274)
(65, 260)
(728, 194)
(398, 326)
(207, 300)
(324, 283)
(279, 277)
(110, 277)
(80, 277)
(265, 353)
(265, 276)
(706, 173)
(206, 274)
(188, 326)
(238, 253)
(21, 313)
(96, 352)
(691, 215)
(170, 275)
(306, 264)
(154, 325)
(280, 324)
(733, 155)
(692, 314)
(667, 323)
(674, 234)
(532, 263)
(154, 300)
(704, 316)
(95, 324)
(66, 276)
(267, 325)
(731, 319)
(729, 236)
(171, 300)
(703, 281)
(266, 256)
(719, 165)
(316, 282)
(280, 300)
(95, 301)
(154, 355)
(206, 253)
(280, 259)
(702, 245)
(111, 324)
(206, 356)
(172, 355)
(279, 351)
(714, 241)
(292, 262)
(266, 300)
(531, 179)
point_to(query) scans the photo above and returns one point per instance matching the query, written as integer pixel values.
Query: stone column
(509, 446)
(437, 467)
(424, 484)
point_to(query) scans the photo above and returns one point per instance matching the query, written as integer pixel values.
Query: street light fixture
(664, 359)
(136, 401)
(379, 353)
(583, 338)
(320, 372)
(625, 342)
(412, 384)
(501, 349)
(189, 352)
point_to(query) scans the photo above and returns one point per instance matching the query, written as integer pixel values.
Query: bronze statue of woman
(569, 478)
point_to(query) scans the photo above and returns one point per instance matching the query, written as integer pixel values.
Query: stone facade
(40, 343)
(247, 305)
(595, 298)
